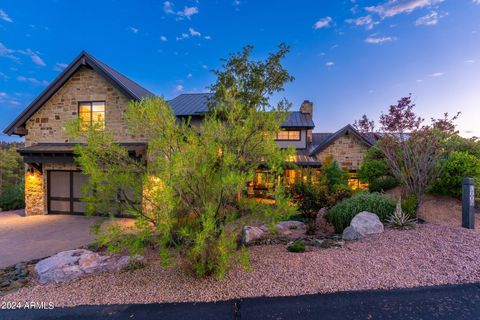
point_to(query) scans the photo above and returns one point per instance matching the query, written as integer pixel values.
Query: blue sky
(348, 57)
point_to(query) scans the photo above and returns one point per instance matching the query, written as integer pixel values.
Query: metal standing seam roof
(70, 147)
(190, 104)
(194, 104)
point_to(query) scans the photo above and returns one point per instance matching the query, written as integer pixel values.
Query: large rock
(251, 234)
(350, 234)
(72, 264)
(291, 229)
(366, 223)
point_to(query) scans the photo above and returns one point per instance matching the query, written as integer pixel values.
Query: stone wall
(347, 150)
(48, 125)
(49, 122)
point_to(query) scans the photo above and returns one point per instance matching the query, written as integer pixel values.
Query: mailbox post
(468, 203)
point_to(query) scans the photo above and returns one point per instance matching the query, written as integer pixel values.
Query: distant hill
(7, 145)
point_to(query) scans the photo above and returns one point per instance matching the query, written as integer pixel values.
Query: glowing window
(91, 114)
(288, 135)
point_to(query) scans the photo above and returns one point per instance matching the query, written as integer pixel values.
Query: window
(91, 114)
(288, 135)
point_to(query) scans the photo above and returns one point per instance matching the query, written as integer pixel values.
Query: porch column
(34, 192)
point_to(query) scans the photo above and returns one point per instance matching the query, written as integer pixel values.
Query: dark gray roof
(190, 104)
(296, 119)
(70, 147)
(130, 88)
(194, 104)
(322, 140)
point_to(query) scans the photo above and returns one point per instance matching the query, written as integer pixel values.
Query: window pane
(98, 106)
(282, 135)
(84, 107)
(294, 135)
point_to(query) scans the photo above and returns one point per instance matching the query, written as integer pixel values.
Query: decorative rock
(291, 229)
(71, 264)
(350, 234)
(251, 234)
(366, 223)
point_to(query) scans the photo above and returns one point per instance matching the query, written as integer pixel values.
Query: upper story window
(91, 113)
(288, 135)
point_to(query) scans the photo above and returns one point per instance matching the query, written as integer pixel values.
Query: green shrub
(12, 197)
(342, 214)
(309, 198)
(382, 184)
(297, 246)
(409, 206)
(336, 177)
(459, 164)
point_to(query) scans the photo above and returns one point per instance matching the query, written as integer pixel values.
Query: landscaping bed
(427, 255)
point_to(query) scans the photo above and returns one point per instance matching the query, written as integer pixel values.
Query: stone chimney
(307, 107)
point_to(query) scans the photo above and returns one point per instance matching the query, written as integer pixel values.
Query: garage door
(64, 192)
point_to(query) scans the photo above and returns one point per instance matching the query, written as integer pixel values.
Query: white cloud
(34, 56)
(168, 7)
(208, 38)
(329, 64)
(60, 66)
(376, 40)
(323, 23)
(178, 88)
(430, 19)
(394, 7)
(204, 66)
(6, 99)
(133, 29)
(188, 12)
(189, 75)
(4, 16)
(194, 33)
(476, 1)
(32, 80)
(366, 21)
(7, 53)
(470, 60)
(419, 80)
(4, 76)
(182, 36)
(437, 74)
(163, 38)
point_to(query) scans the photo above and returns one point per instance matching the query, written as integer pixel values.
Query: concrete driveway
(26, 238)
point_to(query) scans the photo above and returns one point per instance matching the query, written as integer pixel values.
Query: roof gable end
(130, 88)
(347, 129)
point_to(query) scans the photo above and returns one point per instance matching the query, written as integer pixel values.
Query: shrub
(401, 219)
(297, 246)
(12, 197)
(336, 177)
(374, 165)
(342, 214)
(409, 206)
(459, 164)
(309, 198)
(382, 184)
(337, 196)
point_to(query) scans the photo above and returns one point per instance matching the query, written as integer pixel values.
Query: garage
(64, 192)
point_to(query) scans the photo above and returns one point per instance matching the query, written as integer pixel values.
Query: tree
(185, 196)
(412, 148)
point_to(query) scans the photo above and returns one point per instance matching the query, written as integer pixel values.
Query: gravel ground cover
(428, 255)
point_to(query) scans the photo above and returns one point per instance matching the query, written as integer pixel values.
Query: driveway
(26, 238)
(440, 302)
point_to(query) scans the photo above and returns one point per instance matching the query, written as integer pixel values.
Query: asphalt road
(440, 302)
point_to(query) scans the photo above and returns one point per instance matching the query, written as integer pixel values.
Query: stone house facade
(92, 92)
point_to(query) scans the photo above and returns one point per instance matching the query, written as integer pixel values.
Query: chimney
(307, 107)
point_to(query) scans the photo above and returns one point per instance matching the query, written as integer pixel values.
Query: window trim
(91, 110)
(299, 135)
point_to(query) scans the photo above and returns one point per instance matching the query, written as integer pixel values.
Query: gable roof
(130, 88)
(321, 141)
(190, 104)
(196, 104)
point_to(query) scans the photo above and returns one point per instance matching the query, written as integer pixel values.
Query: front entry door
(64, 192)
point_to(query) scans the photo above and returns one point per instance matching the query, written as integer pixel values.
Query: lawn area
(427, 255)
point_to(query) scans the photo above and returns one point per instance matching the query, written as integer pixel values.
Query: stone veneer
(48, 124)
(347, 150)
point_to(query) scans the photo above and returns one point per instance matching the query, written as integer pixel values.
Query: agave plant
(400, 219)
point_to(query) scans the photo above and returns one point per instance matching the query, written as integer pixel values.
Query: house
(89, 90)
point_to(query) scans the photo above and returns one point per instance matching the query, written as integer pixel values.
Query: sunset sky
(348, 57)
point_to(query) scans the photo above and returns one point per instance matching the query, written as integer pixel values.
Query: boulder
(251, 234)
(350, 234)
(366, 223)
(291, 229)
(72, 264)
